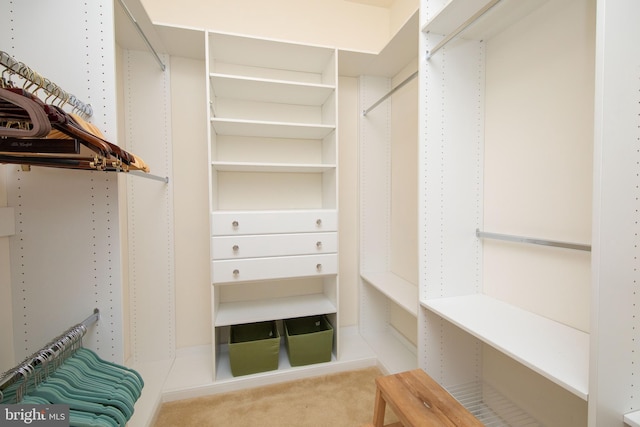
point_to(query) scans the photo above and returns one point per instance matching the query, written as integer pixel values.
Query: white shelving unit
(273, 156)
(388, 301)
(520, 138)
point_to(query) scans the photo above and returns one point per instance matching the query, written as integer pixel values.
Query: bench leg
(378, 410)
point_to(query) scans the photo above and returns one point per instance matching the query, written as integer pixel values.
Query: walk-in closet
(445, 185)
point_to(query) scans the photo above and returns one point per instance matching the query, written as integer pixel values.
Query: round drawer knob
(236, 248)
(319, 245)
(235, 224)
(236, 272)
(319, 267)
(318, 222)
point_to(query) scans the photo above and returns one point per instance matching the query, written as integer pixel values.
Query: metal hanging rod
(74, 334)
(16, 67)
(391, 92)
(531, 240)
(164, 179)
(142, 34)
(91, 319)
(462, 27)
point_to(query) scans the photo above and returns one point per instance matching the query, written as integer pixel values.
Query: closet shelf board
(223, 371)
(269, 90)
(632, 419)
(394, 287)
(455, 13)
(239, 312)
(270, 129)
(269, 54)
(271, 167)
(555, 351)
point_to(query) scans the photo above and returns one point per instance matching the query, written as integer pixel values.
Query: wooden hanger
(21, 116)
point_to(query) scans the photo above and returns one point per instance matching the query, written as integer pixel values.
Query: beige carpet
(336, 400)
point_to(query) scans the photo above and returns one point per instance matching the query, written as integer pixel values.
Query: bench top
(418, 400)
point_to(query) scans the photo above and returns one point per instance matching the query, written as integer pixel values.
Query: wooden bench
(418, 401)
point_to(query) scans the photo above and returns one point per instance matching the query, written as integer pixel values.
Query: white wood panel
(237, 312)
(269, 129)
(269, 90)
(250, 269)
(150, 208)
(308, 61)
(263, 222)
(65, 254)
(400, 291)
(456, 13)
(615, 320)
(271, 167)
(232, 247)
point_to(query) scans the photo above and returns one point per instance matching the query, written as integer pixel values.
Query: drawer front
(234, 247)
(242, 270)
(273, 222)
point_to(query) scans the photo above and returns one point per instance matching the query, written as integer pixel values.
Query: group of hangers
(42, 133)
(98, 392)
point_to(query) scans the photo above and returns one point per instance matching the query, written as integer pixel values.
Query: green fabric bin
(254, 347)
(308, 340)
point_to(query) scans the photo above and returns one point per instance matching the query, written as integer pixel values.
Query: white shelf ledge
(267, 129)
(456, 12)
(555, 351)
(239, 312)
(632, 419)
(394, 287)
(269, 90)
(271, 167)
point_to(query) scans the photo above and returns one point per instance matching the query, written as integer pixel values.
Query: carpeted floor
(336, 400)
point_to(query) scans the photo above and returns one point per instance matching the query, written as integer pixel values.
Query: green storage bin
(254, 347)
(308, 340)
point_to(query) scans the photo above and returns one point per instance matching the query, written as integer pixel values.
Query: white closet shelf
(456, 13)
(269, 90)
(632, 419)
(272, 167)
(394, 287)
(556, 351)
(239, 312)
(269, 54)
(270, 129)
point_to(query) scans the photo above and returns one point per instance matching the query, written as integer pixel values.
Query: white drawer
(273, 222)
(242, 270)
(233, 247)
